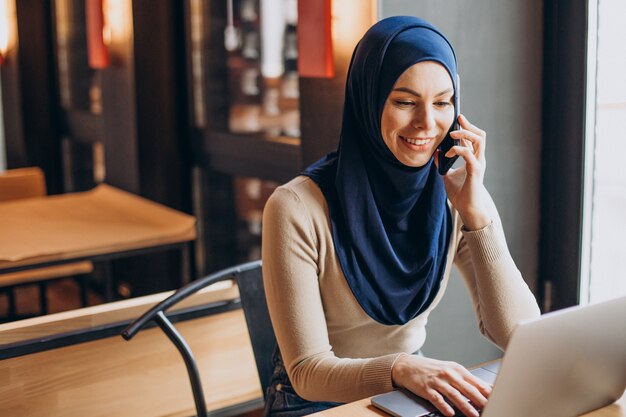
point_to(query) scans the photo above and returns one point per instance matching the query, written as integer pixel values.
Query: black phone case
(446, 163)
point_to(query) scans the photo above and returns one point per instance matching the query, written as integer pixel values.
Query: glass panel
(3, 161)
(262, 68)
(197, 16)
(79, 85)
(251, 194)
(606, 189)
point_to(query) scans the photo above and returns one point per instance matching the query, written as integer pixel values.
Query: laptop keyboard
(457, 412)
(437, 413)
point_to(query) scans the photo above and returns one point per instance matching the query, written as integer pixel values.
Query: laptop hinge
(548, 296)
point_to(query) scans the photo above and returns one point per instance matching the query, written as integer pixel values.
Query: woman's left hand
(464, 185)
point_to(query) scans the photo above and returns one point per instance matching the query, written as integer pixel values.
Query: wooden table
(98, 225)
(363, 408)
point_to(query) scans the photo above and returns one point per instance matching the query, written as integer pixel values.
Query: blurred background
(206, 106)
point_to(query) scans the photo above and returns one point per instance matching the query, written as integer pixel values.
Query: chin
(416, 163)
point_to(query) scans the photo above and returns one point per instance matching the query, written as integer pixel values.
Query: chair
(22, 183)
(249, 279)
(16, 184)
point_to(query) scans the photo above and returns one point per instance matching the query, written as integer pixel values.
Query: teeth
(416, 141)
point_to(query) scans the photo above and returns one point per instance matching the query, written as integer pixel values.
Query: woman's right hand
(433, 380)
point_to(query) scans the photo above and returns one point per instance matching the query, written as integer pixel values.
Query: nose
(424, 118)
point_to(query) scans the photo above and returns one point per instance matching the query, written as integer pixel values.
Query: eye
(403, 103)
(443, 103)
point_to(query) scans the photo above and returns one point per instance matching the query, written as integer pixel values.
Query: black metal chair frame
(250, 282)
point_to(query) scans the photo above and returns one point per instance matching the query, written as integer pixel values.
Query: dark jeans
(282, 401)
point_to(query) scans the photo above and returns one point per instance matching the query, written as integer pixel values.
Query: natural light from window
(604, 269)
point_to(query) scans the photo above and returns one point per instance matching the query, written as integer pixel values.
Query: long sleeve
(500, 296)
(291, 271)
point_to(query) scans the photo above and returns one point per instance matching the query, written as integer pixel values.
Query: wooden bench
(76, 364)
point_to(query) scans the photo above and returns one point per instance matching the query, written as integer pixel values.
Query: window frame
(564, 121)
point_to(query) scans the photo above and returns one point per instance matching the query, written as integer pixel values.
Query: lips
(416, 141)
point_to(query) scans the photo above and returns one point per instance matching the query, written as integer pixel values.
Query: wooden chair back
(16, 184)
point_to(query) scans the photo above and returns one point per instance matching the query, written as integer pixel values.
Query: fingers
(459, 400)
(447, 385)
(465, 124)
(439, 402)
(471, 140)
(470, 133)
(483, 387)
(459, 386)
(471, 392)
(473, 165)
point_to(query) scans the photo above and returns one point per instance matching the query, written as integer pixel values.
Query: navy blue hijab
(390, 222)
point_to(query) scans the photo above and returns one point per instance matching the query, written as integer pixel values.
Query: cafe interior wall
(499, 50)
(2, 148)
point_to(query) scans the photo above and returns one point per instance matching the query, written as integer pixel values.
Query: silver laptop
(563, 364)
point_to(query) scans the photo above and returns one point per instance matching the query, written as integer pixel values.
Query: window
(604, 221)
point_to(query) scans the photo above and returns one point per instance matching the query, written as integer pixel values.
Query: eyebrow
(416, 94)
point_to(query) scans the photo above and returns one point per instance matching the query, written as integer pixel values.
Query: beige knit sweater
(333, 351)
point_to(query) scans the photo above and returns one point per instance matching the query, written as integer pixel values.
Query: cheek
(394, 121)
(443, 124)
(388, 124)
(445, 121)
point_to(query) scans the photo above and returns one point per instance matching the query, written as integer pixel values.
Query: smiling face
(418, 113)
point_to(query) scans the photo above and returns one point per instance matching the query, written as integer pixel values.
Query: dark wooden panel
(83, 126)
(249, 155)
(30, 120)
(159, 78)
(80, 74)
(80, 165)
(218, 215)
(119, 122)
(215, 66)
(16, 152)
(321, 107)
(212, 60)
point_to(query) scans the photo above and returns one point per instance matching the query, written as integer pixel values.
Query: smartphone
(446, 163)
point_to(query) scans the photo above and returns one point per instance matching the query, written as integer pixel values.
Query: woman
(357, 251)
